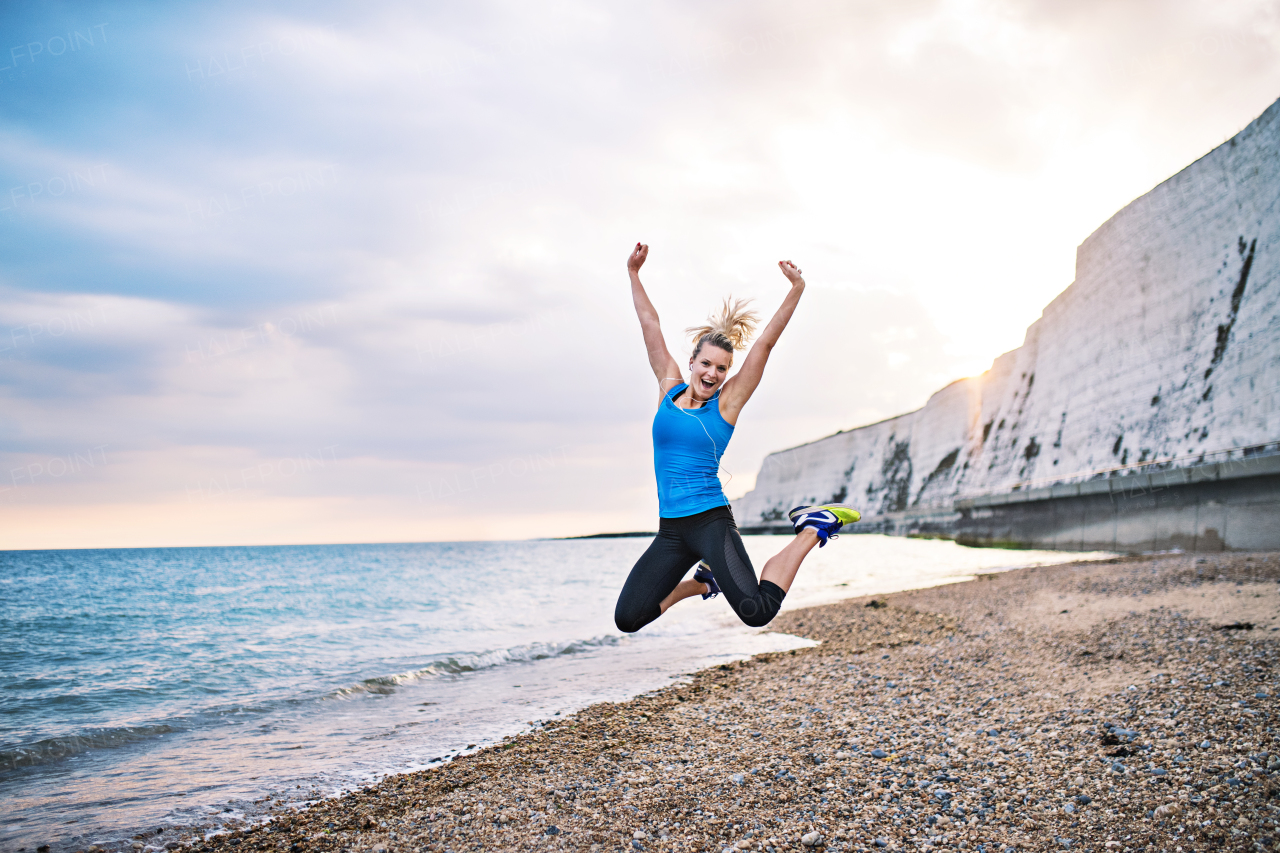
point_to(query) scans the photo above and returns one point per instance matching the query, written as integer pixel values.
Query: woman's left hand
(791, 271)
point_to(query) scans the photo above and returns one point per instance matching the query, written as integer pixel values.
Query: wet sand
(1121, 705)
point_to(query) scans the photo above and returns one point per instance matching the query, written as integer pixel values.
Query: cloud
(364, 268)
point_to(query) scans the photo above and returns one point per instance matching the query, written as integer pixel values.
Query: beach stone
(879, 753)
(738, 778)
(811, 839)
(952, 657)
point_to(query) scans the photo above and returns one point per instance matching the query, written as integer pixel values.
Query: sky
(315, 272)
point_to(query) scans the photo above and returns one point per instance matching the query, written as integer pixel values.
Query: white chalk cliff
(1165, 348)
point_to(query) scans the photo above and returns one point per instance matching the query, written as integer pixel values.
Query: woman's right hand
(638, 255)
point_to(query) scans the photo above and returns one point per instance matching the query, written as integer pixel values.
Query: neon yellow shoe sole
(846, 514)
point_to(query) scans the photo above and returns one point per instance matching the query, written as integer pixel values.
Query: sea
(175, 689)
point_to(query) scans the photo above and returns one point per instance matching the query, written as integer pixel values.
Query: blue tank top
(687, 446)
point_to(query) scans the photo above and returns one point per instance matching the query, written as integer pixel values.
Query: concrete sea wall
(1162, 355)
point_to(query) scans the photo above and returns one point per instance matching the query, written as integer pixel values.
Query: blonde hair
(730, 331)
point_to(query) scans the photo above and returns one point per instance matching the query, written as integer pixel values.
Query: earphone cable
(715, 448)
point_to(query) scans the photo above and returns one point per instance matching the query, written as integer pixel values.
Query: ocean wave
(61, 748)
(457, 665)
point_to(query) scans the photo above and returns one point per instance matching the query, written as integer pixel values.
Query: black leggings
(681, 542)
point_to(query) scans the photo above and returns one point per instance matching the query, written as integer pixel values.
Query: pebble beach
(1118, 705)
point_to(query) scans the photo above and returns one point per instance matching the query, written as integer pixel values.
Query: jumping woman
(694, 423)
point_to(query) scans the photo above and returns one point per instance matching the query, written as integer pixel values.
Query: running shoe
(826, 520)
(704, 575)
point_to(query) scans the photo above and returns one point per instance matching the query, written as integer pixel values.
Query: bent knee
(629, 623)
(753, 615)
(757, 621)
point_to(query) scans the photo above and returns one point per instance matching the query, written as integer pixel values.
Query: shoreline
(1098, 705)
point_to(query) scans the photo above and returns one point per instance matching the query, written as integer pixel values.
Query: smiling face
(708, 369)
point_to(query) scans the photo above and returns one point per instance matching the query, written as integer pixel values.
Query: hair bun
(731, 329)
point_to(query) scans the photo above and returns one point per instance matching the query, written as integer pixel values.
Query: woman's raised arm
(740, 387)
(664, 366)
